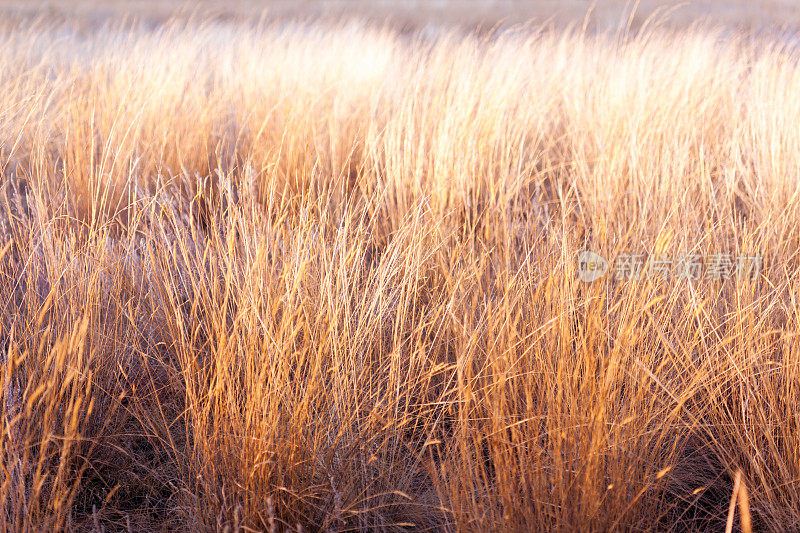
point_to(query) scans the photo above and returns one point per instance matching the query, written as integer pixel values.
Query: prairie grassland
(271, 277)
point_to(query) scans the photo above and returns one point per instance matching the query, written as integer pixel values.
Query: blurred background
(756, 15)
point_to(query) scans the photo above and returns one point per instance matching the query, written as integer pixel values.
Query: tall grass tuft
(306, 276)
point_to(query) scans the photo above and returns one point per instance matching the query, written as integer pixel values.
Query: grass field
(324, 276)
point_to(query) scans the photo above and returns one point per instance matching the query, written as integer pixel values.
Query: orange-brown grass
(278, 277)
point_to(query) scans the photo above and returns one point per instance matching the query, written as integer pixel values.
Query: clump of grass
(323, 277)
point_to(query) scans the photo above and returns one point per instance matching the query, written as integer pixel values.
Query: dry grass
(270, 277)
